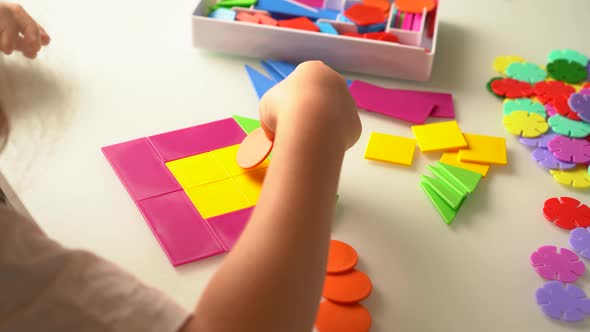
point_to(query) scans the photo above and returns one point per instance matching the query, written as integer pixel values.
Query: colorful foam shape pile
(559, 298)
(366, 19)
(188, 186)
(548, 109)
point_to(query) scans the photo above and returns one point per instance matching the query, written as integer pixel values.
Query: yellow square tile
(439, 136)
(218, 198)
(227, 158)
(484, 150)
(250, 184)
(452, 158)
(389, 148)
(196, 170)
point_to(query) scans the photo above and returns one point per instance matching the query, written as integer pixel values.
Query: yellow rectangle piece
(218, 198)
(227, 158)
(196, 170)
(392, 149)
(452, 158)
(442, 136)
(484, 150)
(250, 184)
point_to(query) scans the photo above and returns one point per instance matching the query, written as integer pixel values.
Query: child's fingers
(8, 39)
(30, 44)
(45, 39)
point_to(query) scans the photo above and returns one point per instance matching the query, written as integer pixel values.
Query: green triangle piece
(448, 194)
(448, 180)
(466, 178)
(445, 211)
(247, 124)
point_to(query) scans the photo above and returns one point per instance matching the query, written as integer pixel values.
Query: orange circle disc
(333, 317)
(341, 257)
(349, 287)
(415, 6)
(254, 149)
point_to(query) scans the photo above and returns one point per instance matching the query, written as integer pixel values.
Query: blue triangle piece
(261, 83)
(288, 8)
(283, 68)
(274, 74)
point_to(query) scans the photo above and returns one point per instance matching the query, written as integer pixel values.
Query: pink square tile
(190, 141)
(229, 226)
(141, 169)
(182, 232)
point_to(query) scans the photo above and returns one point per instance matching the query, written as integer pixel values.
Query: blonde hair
(4, 128)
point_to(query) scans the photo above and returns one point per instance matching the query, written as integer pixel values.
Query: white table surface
(118, 70)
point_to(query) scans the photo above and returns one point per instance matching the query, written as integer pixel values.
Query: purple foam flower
(539, 142)
(546, 159)
(580, 241)
(565, 302)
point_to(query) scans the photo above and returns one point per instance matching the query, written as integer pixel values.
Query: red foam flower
(548, 91)
(511, 88)
(567, 212)
(563, 108)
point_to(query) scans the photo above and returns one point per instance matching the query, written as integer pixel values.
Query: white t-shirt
(46, 287)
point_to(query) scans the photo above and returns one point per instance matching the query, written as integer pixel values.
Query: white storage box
(412, 59)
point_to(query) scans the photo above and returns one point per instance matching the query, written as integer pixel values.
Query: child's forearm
(272, 279)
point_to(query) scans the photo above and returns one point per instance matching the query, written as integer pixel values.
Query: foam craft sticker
(484, 150)
(547, 91)
(312, 3)
(379, 27)
(522, 123)
(571, 150)
(383, 5)
(540, 141)
(561, 301)
(439, 136)
(580, 103)
(563, 108)
(392, 149)
(415, 6)
(526, 71)
(503, 61)
(489, 86)
(300, 23)
(228, 227)
(223, 14)
(568, 54)
(579, 240)
(247, 17)
(383, 36)
(270, 70)
(341, 257)
(407, 105)
(551, 111)
(247, 124)
(452, 158)
(347, 288)
(463, 179)
(557, 264)
(524, 104)
(292, 9)
(453, 197)
(283, 68)
(266, 20)
(260, 82)
(511, 88)
(254, 149)
(327, 28)
(566, 71)
(566, 212)
(445, 210)
(547, 160)
(568, 127)
(364, 15)
(334, 317)
(576, 177)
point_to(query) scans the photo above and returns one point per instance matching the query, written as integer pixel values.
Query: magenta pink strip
(407, 24)
(140, 169)
(179, 228)
(417, 22)
(190, 141)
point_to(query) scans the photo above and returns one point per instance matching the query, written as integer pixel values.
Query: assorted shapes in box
(563, 301)
(189, 188)
(344, 288)
(366, 19)
(559, 264)
(561, 141)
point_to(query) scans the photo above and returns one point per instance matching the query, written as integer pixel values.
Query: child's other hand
(19, 32)
(314, 98)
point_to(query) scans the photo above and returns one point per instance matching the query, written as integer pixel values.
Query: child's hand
(19, 32)
(313, 96)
